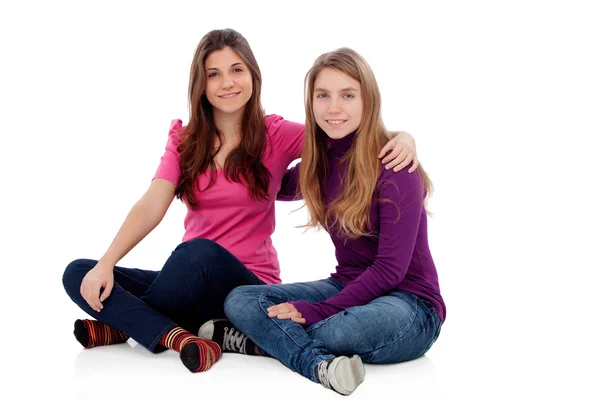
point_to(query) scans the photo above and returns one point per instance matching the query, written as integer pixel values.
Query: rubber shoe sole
(345, 374)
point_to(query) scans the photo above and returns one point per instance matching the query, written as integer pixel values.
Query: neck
(229, 125)
(339, 147)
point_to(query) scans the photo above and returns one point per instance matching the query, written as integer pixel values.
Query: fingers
(91, 294)
(106, 291)
(414, 166)
(389, 146)
(289, 315)
(278, 309)
(403, 164)
(395, 158)
(409, 158)
(93, 298)
(285, 311)
(404, 158)
(400, 155)
(396, 152)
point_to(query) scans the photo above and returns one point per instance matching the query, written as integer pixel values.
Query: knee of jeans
(203, 246)
(240, 298)
(74, 274)
(198, 252)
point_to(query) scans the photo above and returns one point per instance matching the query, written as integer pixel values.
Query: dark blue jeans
(189, 290)
(396, 327)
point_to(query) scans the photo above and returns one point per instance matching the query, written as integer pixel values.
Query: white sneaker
(341, 374)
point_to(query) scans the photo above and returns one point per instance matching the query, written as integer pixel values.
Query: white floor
(120, 372)
(467, 362)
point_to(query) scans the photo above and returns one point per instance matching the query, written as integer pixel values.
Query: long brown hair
(349, 212)
(198, 138)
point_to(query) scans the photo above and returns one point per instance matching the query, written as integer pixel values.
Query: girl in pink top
(227, 165)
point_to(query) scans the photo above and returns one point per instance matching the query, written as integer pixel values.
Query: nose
(227, 82)
(334, 106)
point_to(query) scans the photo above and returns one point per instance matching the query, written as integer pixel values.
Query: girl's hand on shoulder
(402, 151)
(286, 311)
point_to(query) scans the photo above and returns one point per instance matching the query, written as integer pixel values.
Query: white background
(503, 99)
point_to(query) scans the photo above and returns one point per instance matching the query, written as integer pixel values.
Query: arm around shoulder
(287, 136)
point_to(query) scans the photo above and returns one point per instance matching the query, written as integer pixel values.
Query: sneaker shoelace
(322, 373)
(234, 340)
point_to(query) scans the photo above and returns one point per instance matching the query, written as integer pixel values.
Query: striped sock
(198, 355)
(92, 333)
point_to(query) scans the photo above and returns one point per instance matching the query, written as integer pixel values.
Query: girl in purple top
(383, 303)
(227, 165)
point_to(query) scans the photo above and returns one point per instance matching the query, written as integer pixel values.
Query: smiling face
(228, 81)
(337, 103)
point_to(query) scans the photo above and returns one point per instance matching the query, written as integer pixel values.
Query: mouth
(335, 122)
(229, 95)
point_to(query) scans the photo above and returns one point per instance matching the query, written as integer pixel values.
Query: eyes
(235, 70)
(322, 95)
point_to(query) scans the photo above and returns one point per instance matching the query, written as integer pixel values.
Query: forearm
(290, 188)
(373, 283)
(140, 221)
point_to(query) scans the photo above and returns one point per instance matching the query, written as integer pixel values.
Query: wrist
(107, 262)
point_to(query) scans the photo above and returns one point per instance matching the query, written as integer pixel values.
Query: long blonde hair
(349, 212)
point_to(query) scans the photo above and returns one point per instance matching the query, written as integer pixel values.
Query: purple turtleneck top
(396, 257)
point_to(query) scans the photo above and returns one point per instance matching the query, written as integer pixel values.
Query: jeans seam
(402, 336)
(161, 335)
(318, 325)
(263, 298)
(136, 280)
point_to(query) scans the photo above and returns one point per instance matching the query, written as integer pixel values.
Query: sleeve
(290, 185)
(287, 136)
(169, 163)
(398, 192)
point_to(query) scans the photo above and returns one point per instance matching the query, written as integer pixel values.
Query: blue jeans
(399, 326)
(189, 290)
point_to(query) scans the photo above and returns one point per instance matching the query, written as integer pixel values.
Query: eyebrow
(348, 89)
(216, 69)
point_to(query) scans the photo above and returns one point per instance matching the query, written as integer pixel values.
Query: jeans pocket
(428, 306)
(437, 326)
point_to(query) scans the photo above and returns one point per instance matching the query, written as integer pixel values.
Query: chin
(337, 135)
(229, 109)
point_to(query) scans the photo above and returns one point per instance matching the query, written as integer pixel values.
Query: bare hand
(286, 311)
(99, 277)
(402, 153)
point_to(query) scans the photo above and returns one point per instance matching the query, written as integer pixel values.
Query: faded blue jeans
(396, 327)
(189, 290)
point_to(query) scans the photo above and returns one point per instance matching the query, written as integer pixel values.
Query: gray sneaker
(341, 374)
(230, 339)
